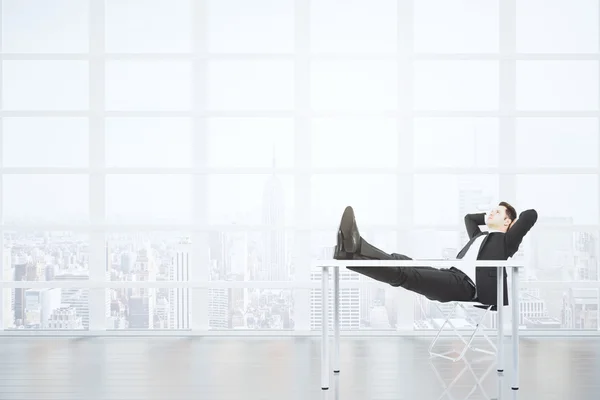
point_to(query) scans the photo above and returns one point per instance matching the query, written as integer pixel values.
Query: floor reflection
(470, 379)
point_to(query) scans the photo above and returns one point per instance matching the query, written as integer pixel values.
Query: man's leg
(436, 284)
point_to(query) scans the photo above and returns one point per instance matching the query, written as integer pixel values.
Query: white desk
(335, 265)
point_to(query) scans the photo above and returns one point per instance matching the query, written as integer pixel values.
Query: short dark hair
(510, 210)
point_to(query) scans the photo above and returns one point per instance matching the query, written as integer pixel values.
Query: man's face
(496, 219)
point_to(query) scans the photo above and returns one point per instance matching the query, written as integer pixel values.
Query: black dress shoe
(348, 237)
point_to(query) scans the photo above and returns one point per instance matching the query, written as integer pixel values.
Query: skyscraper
(350, 305)
(179, 298)
(7, 295)
(274, 265)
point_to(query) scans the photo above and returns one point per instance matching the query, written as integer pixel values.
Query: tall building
(142, 302)
(77, 298)
(350, 305)
(128, 259)
(141, 312)
(274, 266)
(218, 308)
(162, 313)
(65, 318)
(580, 308)
(553, 250)
(586, 256)
(39, 306)
(20, 263)
(179, 298)
(8, 316)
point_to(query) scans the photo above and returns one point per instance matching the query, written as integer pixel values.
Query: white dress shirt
(471, 255)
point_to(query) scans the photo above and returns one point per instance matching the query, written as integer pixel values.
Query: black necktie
(468, 245)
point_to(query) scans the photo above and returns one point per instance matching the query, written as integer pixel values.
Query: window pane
(251, 199)
(464, 26)
(48, 308)
(148, 85)
(148, 26)
(557, 85)
(237, 26)
(560, 255)
(579, 309)
(462, 194)
(432, 243)
(45, 142)
(351, 308)
(45, 85)
(373, 197)
(456, 142)
(271, 141)
(32, 199)
(146, 199)
(250, 85)
(355, 142)
(555, 26)
(353, 27)
(573, 199)
(568, 308)
(149, 256)
(456, 85)
(558, 142)
(353, 85)
(251, 256)
(41, 26)
(245, 309)
(148, 142)
(46, 256)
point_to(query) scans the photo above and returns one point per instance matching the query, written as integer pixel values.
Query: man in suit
(501, 241)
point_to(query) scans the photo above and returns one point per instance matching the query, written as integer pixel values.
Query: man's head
(501, 217)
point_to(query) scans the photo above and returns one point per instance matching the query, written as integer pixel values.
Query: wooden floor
(234, 368)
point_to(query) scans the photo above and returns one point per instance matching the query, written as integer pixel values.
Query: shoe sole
(346, 229)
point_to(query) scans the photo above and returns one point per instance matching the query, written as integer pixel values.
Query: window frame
(302, 170)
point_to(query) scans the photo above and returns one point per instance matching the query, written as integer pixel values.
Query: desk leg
(325, 329)
(336, 320)
(500, 321)
(516, 314)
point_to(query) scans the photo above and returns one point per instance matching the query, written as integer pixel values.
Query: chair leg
(478, 324)
(467, 344)
(446, 322)
(467, 367)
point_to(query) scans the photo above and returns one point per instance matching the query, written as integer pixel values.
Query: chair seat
(484, 307)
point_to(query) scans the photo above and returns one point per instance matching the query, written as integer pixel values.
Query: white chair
(478, 384)
(476, 324)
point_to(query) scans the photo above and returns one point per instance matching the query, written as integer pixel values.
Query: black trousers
(443, 285)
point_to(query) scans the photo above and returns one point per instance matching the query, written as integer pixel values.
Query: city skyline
(248, 256)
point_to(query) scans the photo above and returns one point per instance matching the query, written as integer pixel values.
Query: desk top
(321, 263)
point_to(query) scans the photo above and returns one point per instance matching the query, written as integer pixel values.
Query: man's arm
(514, 236)
(472, 222)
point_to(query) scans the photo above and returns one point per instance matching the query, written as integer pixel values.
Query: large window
(177, 164)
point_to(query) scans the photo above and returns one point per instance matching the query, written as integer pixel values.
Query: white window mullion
(598, 177)
(302, 157)
(98, 257)
(199, 258)
(507, 102)
(5, 320)
(405, 180)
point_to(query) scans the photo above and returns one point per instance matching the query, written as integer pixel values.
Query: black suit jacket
(495, 246)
